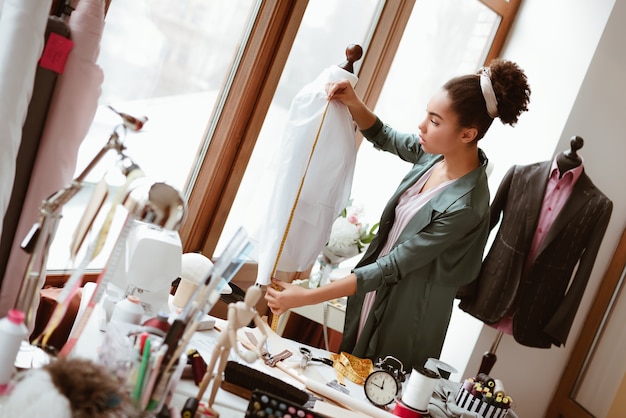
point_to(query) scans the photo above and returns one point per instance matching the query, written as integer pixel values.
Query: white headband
(488, 93)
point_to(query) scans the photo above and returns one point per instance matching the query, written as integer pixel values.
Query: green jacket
(440, 249)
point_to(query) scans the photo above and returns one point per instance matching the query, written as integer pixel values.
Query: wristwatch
(384, 385)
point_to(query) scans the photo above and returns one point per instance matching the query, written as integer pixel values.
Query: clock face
(381, 388)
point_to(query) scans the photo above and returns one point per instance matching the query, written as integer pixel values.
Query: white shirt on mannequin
(327, 183)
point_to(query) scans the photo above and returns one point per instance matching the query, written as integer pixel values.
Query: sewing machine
(148, 266)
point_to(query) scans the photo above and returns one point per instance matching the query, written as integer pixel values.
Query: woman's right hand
(286, 297)
(343, 91)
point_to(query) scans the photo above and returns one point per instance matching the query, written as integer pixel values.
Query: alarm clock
(384, 385)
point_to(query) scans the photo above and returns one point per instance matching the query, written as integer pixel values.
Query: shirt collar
(574, 172)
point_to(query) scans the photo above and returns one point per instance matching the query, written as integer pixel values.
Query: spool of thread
(486, 380)
(443, 368)
(468, 384)
(12, 332)
(404, 411)
(159, 324)
(419, 389)
(128, 310)
(498, 388)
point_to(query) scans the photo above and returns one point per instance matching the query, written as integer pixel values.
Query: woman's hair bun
(511, 88)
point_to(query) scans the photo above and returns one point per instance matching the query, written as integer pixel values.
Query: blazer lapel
(535, 183)
(443, 200)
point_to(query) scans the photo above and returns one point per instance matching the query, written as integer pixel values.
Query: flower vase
(326, 269)
(322, 276)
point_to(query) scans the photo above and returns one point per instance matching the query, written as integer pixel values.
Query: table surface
(232, 406)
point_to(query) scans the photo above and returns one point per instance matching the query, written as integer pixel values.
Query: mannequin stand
(489, 358)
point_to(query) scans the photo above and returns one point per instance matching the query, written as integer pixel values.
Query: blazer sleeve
(500, 199)
(559, 325)
(449, 234)
(385, 138)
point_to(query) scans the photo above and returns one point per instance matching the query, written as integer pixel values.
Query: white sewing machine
(148, 266)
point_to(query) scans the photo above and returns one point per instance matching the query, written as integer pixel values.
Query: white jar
(128, 310)
(12, 332)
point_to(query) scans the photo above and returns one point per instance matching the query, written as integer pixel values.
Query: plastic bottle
(12, 332)
(128, 310)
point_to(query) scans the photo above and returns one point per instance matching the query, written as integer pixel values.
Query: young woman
(434, 228)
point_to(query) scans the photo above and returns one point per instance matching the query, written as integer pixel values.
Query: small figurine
(240, 314)
(131, 122)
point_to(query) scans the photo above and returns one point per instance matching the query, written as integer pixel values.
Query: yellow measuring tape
(293, 210)
(354, 368)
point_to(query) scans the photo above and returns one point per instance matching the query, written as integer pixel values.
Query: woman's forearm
(333, 290)
(362, 115)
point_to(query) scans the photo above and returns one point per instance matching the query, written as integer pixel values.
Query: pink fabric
(72, 109)
(22, 30)
(557, 192)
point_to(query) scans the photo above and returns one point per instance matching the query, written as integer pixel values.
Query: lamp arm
(38, 241)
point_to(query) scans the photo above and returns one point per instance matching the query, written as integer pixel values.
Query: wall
(575, 62)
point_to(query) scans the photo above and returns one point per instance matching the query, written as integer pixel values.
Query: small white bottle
(12, 332)
(128, 310)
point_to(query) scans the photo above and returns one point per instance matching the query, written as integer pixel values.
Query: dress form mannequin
(294, 202)
(570, 159)
(353, 54)
(565, 161)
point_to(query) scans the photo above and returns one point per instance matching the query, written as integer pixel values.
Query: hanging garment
(22, 30)
(544, 295)
(72, 109)
(57, 31)
(327, 184)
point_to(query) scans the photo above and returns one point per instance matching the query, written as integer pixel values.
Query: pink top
(557, 192)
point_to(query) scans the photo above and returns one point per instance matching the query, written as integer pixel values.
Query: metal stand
(489, 358)
(41, 235)
(38, 241)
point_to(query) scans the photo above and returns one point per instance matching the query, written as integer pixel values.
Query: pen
(154, 372)
(145, 356)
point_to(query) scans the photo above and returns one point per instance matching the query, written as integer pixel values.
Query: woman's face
(439, 131)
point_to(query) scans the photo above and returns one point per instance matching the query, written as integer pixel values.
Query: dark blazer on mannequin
(545, 297)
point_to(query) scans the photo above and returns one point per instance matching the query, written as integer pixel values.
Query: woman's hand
(291, 296)
(343, 91)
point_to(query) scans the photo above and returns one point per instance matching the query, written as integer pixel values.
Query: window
(218, 64)
(166, 63)
(215, 77)
(219, 175)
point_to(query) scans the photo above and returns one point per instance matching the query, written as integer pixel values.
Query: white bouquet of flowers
(348, 238)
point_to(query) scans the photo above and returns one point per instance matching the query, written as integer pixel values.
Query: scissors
(307, 356)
